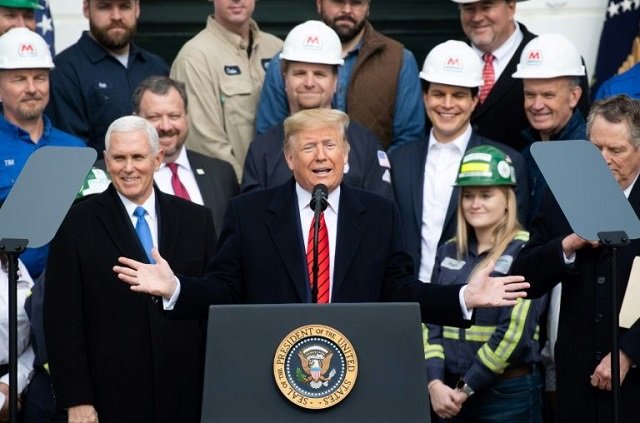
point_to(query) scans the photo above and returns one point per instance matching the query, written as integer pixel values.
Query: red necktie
(323, 260)
(488, 76)
(176, 184)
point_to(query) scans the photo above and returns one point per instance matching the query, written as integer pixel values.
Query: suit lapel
(505, 82)
(205, 184)
(287, 239)
(118, 225)
(352, 223)
(450, 219)
(169, 221)
(417, 175)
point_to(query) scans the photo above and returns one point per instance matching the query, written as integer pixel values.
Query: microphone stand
(314, 269)
(318, 205)
(13, 248)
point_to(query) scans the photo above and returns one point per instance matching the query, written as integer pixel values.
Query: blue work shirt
(15, 149)
(90, 88)
(626, 83)
(408, 117)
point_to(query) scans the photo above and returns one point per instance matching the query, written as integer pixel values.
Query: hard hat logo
(534, 57)
(313, 42)
(27, 50)
(485, 165)
(549, 56)
(21, 48)
(454, 64)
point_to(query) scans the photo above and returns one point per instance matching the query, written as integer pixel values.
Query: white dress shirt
(440, 172)
(503, 54)
(330, 219)
(25, 351)
(163, 176)
(151, 216)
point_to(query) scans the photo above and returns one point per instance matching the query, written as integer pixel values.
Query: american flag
(619, 31)
(44, 24)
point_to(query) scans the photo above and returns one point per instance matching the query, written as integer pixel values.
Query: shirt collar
(627, 192)
(18, 132)
(459, 143)
(231, 37)
(182, 160)
(505, 51)
(304, 198)
(149, 205)
(96, 52)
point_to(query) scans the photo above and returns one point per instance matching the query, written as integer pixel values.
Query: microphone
(319, 197)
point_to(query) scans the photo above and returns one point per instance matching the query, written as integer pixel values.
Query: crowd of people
(201, 195)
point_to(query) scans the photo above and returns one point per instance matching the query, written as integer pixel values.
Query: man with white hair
(110, 349)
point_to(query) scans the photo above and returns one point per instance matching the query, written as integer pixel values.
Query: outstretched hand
(155, 279)
(485, 291)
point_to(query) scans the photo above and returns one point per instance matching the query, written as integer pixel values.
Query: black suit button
(599, 356)
(597, 318)
(154, 300)
(601, 280)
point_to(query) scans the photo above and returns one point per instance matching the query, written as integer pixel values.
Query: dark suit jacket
(110, 346)
(261, 257)
(407, 169)
(584, 330)
(501, 117)
(216, 180)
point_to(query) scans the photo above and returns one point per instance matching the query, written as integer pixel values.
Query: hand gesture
(155, 279)
(83, 414)
(485, 291)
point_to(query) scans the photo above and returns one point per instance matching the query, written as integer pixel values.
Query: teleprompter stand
(31, 215)
(572, 169)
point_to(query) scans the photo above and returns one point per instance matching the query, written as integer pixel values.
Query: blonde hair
(503, 233)
(315, 119)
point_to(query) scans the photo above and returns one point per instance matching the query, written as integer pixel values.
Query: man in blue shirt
(94, 79)
(25, 61)
(378, 85)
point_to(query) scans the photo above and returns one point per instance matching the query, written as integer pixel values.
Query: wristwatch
(462, 386)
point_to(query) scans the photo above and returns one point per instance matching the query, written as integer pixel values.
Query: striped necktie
(176, 183)
(488, 76)
(323, 260)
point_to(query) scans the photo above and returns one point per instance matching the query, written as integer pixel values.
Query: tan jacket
(223, 85)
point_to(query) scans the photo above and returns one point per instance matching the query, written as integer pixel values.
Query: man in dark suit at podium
(262, 256)
(113, 354)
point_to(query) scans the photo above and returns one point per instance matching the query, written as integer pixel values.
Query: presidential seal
(315, 367)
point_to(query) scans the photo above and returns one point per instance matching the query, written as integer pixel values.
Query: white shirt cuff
(466, 312)
(570, 259)
(171, 302)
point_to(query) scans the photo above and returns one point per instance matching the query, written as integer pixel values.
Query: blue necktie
(143, 231)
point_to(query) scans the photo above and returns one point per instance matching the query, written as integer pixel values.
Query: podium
(259, 363)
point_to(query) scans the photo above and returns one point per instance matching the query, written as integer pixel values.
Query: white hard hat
(313, 42)
(21, 48)
(549, 56)
(453, 63)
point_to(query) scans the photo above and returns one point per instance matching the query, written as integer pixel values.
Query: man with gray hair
(110, 348)
(583, 348)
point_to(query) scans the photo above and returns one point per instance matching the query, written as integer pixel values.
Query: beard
(113, 42)
(345, 33)
(29, 113)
